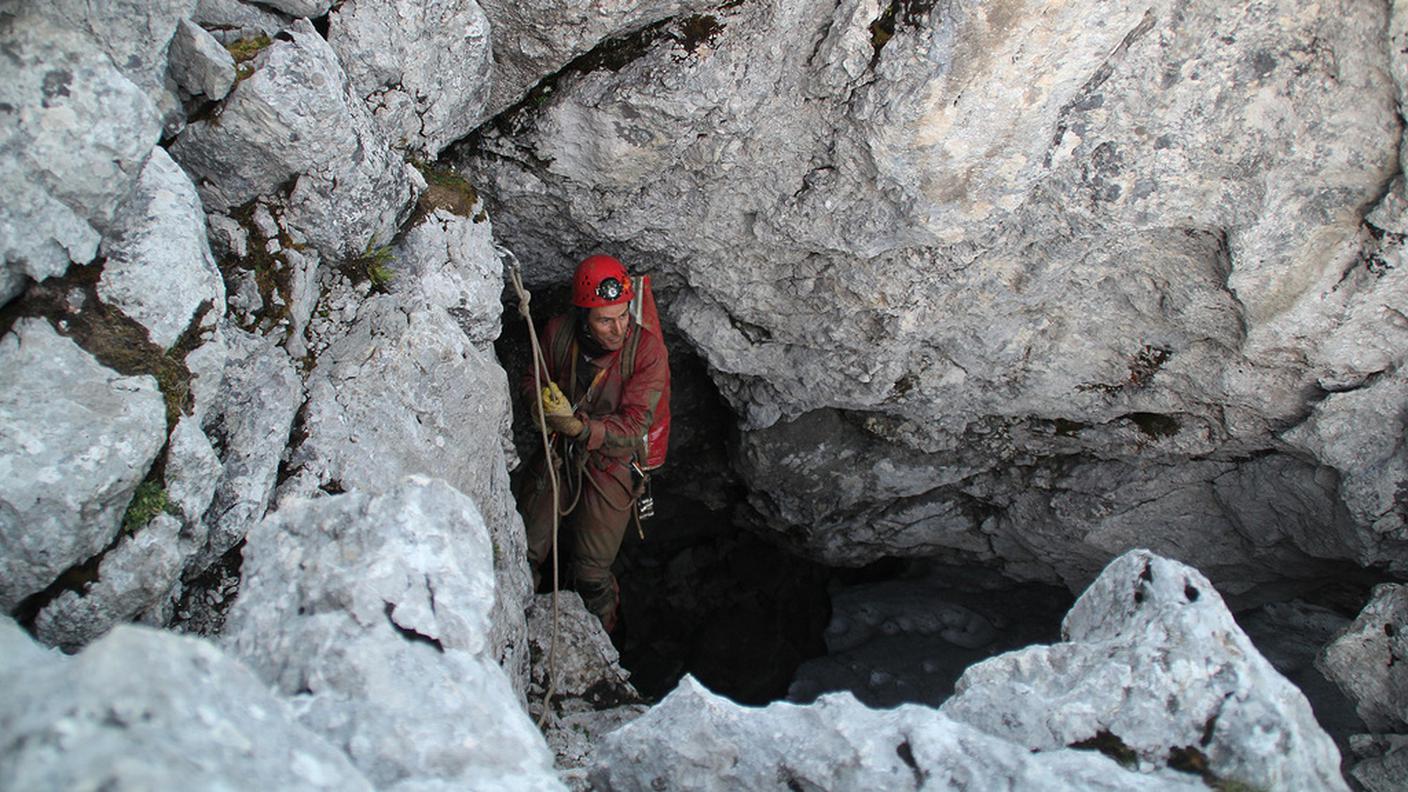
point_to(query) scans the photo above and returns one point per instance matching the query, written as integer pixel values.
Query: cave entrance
(705, 595)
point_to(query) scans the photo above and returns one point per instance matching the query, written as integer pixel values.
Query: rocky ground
(993, 285)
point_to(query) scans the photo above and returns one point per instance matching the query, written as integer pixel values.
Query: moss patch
(273, 273)
(70, 303)
(373, 265)
(148, 501)
(247, 49)
(1111, 746)
(446, 189)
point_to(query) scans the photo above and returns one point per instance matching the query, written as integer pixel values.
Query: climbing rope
(540, 367)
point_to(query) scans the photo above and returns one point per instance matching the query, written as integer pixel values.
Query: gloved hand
(558, 412)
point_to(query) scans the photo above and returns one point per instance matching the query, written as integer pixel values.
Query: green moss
(148, 501)
(445, 189)
(246, 49)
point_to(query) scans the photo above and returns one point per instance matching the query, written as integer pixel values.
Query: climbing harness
(540, 368)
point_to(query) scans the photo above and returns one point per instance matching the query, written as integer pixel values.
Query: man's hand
(558, 412)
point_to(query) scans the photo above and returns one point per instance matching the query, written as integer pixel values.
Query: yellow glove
(558, 412)
(554, 402)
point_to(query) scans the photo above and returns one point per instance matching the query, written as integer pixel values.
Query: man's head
(603, 290)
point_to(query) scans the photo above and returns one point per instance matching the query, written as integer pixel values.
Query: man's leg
(535, 504)
(600, 527)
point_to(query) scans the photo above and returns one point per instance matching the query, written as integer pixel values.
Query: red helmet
(601, 281)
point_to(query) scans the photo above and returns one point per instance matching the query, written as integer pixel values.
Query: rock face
(160, 270)
(424, 69)
(1153, 672)
(142, 709)
(293, 127)
(696, 740)
(76, 438)
(407, 391)
(77, 133)
(1065, 273)
(396, 591)
(1153, 664)
(592, 695)
(1367, 660)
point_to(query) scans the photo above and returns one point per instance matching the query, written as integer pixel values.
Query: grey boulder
(1152, 664)
(404, 392)
(76, 438)
(294, 129)
(199, 63)
(423, 68)
(160, 271)
(395, 592)
(1369, 660)
(696, 740)
(449, 260)
(76, 134)
(249, 428)
(142, 710)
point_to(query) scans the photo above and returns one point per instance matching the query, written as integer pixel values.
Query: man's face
(608, 325)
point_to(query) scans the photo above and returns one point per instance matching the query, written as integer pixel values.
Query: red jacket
(617, 412)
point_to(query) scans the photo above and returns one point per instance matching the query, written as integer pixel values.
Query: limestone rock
(398, 590)
(1148, 262)
(1153, 661)
(142, 709)
(592, 694)
(75, 440)
(694, 739)
(232, 20)
(131, 578)
(1383, 762)
(249, 427)
(1369, 660)
(294, 121)
(200, 65)
(79, 133)
(424, 69)
(160, 270)
(536, 38)
(449, 261)
(298, 8)
(136, 35)
(406, 392)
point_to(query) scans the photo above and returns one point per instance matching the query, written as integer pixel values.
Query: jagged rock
(449, 261)
(299, 8)
(697, 740)
(232, 20)
(1383, 762)
(135, 34)
(398, 590)
(423, 68)
(76, 438)
(1373, 464)
(294, 125)
(249, 426)
(592, 694)
(535, 38)
(142, 709)
(133, 576)
(193, 471)
(200, 65)
(1122, 265)
(1369, 660)
(406, 392)
(160, 270)
(1153, 663)
(78, 133)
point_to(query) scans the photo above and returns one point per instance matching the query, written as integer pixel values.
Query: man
(600, 394)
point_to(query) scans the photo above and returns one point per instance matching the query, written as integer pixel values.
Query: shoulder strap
(628, 353)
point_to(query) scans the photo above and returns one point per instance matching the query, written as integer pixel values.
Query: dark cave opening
(705, 594)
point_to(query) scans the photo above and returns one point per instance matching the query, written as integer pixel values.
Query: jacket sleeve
(621, 432)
